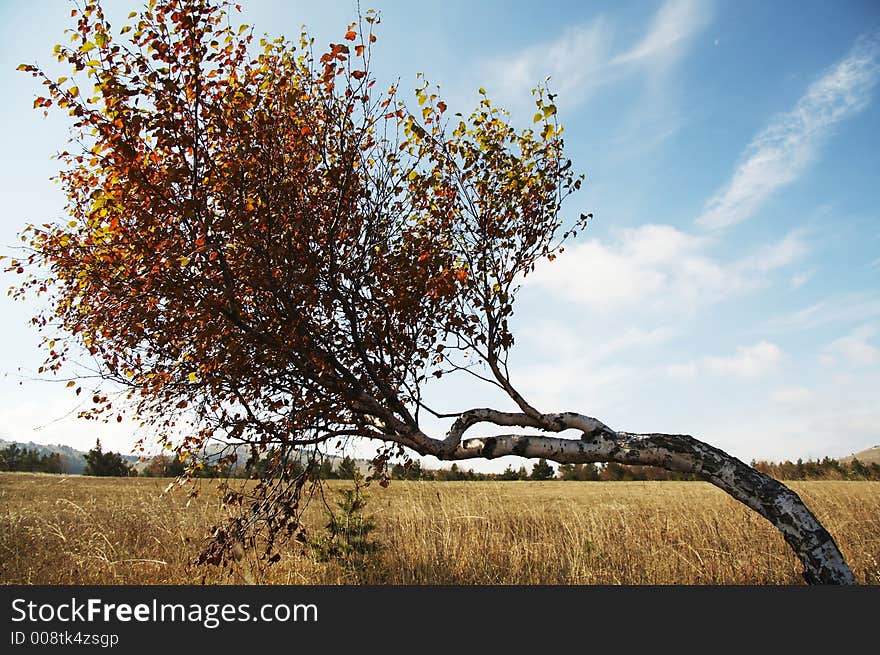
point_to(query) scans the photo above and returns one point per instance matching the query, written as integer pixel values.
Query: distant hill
(72, 460)
(866, 456)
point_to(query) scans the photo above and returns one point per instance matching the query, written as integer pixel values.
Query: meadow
(57, 529)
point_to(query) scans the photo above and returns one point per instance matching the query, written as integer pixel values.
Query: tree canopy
(267, 247)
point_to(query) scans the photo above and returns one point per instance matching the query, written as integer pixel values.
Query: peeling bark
(821, 558)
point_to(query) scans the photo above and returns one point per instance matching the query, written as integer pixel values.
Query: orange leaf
(350, 35)
(358, 74)
(359, 50)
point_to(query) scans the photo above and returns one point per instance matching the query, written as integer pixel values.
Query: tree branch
(821, 558)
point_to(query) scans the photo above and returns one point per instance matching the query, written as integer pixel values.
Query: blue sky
(729, 285)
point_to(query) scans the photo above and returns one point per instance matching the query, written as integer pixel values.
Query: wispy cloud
(583, 58)
(783, 150)
(850, 307)
(791, 248)
(800, 278)
(671, 29)
(576, 61)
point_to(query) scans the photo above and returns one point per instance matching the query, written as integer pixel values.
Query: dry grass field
(81, 530)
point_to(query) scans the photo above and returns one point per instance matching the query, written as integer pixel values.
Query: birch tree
(263, 246)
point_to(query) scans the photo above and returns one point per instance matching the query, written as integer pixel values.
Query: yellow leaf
(193, 377)
(74, 91)
(183, 260)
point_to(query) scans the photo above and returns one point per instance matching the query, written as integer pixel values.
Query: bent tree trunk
(821, 558)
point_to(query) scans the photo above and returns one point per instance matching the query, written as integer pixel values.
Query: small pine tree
(542, 470)
(347, 538)
(347, 469)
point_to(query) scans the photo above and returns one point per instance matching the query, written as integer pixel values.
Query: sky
(728, 286)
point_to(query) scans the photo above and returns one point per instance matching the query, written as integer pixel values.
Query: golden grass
(80, 530)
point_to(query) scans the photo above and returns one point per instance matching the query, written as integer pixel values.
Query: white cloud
(555, 339)
(853, 350)
(682, 371)
(791, 396)
(748, 362)
(782, 151)
(651, 261)
(575, 382)
(659, 267)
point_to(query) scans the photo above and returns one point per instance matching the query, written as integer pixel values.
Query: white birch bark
(821, 558)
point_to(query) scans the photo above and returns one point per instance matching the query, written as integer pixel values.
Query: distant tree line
(13, 458)
(100, 463)
(541, 470)
(344, 469)
(820, 469)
